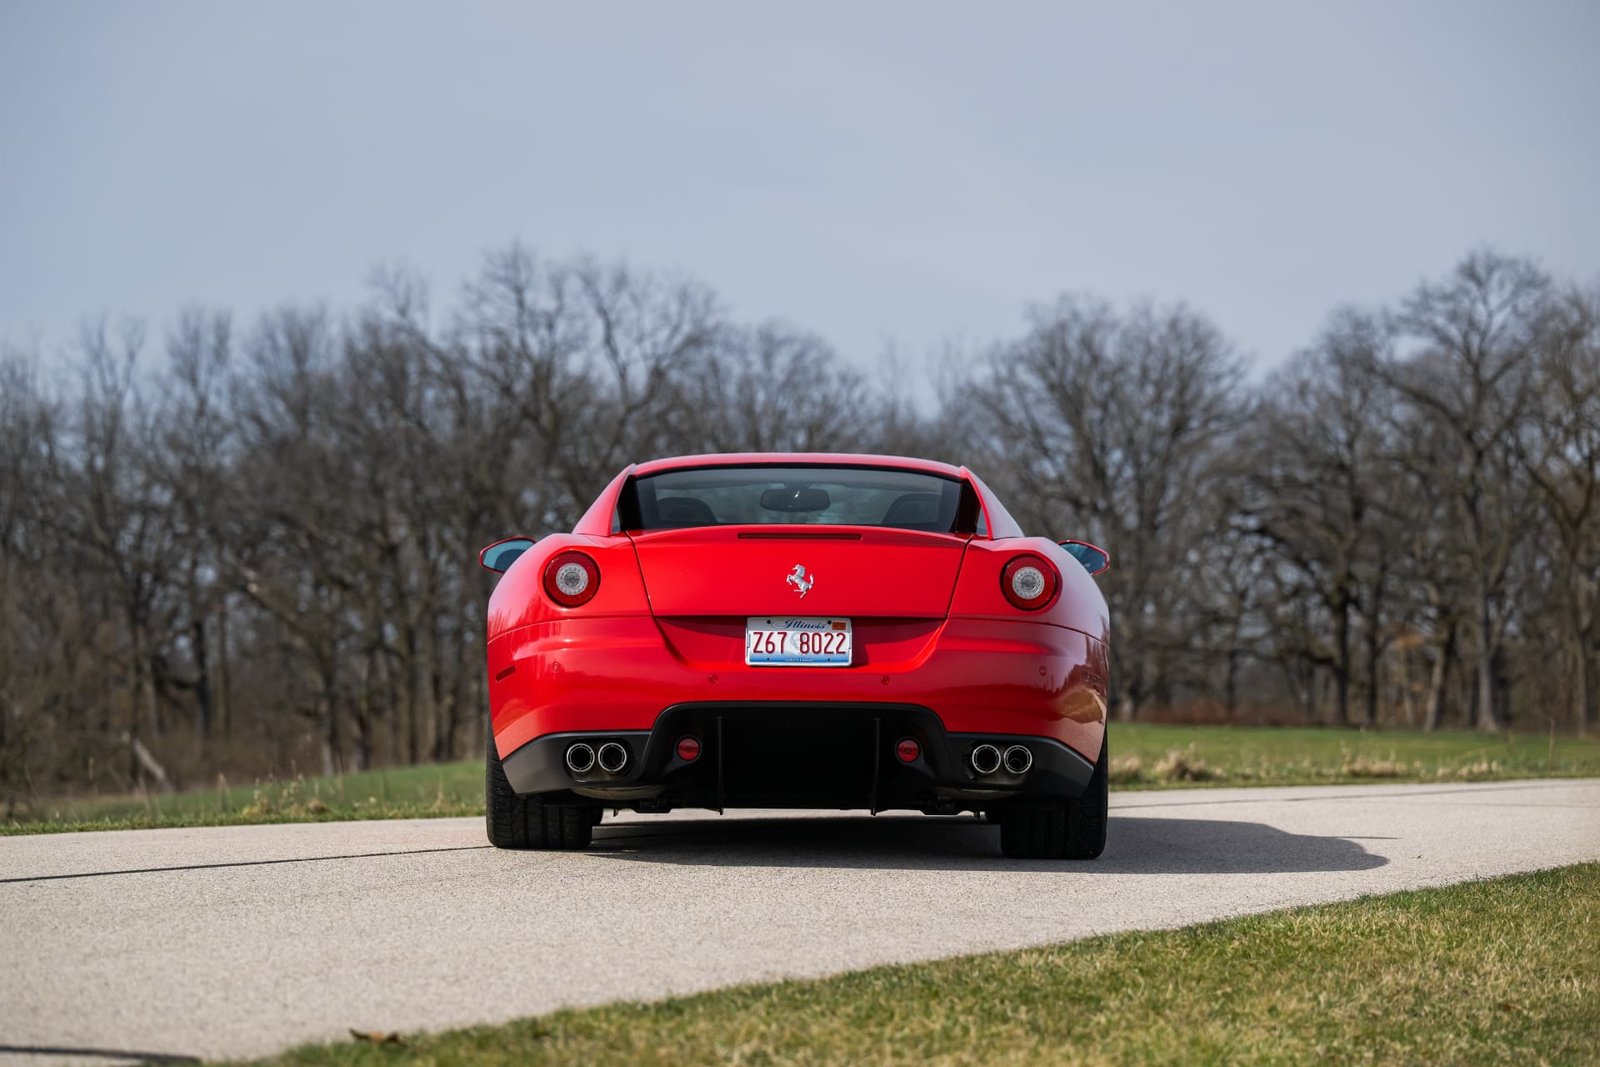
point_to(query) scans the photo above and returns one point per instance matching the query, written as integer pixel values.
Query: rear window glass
(843, 496)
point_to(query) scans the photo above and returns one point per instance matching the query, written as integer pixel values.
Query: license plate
(791, 642)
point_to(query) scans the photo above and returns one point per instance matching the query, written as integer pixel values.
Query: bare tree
(1108, 425)
(1316, 476)
(1560, 446)
(1468, 375)
(773, 389)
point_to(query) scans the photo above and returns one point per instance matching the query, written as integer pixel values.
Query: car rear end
(839, 632)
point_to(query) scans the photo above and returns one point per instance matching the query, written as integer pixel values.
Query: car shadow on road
(1134, 845)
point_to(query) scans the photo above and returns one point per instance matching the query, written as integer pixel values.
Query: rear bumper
(618, 675)
(836, 755)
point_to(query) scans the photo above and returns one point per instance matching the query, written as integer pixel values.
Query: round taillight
(571, 579)
(688, 749)
(908, 750)
(1029, 582)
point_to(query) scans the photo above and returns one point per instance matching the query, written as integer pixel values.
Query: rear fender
(1078, 605)
(519, 598)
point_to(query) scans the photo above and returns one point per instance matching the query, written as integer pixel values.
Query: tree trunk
(332, 739)
(224, 690)
(1128, 693)
(147, 762)
(1373, 633)
(1586, 689)
(443, 713)
(1369, 713)
(1230, 681)
(1341, 665)
(1408, 697)
(1502, 690)
(1582, 645)
(1439, 680)
(408, 673)
(1487, 720)
(363, 753)
(203, 710)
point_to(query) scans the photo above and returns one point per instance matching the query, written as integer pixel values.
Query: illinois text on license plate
(792, 642)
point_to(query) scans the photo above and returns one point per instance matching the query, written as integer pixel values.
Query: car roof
(821, 459)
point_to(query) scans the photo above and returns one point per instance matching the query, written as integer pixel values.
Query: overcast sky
(876, 172)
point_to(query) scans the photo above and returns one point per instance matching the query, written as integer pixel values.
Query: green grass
(1504, 971)
(1145, 756)
(1150, 755)
(396, 793)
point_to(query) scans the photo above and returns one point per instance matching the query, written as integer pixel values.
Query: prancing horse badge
(798, 579)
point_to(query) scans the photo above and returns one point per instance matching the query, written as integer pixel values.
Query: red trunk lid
(855, 572)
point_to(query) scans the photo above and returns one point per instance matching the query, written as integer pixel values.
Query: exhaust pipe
(1018, 759)
(985, 759)
(613, 757)
(580, 758)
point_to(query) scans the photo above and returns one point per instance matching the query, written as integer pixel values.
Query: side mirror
(502, 554)
(1095, 560)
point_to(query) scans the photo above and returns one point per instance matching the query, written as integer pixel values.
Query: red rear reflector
(1029, 582)
(571, 579)
(908, 750)
(688, 749)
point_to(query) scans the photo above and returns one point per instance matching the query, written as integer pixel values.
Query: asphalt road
(241, 941)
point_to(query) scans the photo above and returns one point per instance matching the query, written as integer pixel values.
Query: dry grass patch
(1367, 767)
(1183, 766)
(1174, 766)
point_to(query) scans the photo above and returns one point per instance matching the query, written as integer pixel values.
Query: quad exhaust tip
(985, 759)
(580, 758)
(613, 757)
(1018, 759)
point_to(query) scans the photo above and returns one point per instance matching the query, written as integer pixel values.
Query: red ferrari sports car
(798, 630)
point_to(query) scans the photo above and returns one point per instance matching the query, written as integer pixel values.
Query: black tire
(514, 821)
(1065, 830)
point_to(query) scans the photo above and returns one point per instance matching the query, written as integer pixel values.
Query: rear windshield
(845, 496)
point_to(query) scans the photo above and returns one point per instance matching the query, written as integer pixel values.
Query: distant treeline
(251, 548)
